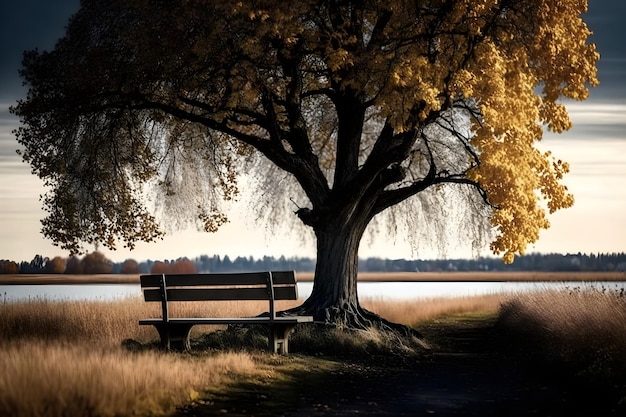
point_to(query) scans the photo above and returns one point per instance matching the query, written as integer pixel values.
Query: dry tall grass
(340, 342)
(412, 312)
(584, 329)
(59, 379)
(66, 359)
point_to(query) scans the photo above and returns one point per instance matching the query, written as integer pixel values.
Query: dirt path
(472, 372)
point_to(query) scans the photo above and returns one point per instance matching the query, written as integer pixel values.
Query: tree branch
(308, 175)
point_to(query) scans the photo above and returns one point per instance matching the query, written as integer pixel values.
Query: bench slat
(221, 294)
(284, 277)
(231, 320)
(183, 280)
(246, 278)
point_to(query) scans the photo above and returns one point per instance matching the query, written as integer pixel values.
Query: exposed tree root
(353, 317)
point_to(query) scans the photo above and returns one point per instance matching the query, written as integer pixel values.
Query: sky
(595, 148)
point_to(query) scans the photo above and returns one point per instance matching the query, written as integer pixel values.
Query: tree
(9, 267)
(160, 268)
(74, 265)
(182, 266)
(96, 263)
(129, 266)
(36, 266)
(361, 106)
(55, 265)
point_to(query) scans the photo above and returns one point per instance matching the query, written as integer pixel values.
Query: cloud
(593, 120)
(8, 144)
(24, 25)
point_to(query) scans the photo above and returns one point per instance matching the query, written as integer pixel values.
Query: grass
(62, 379)
(412, 312)
(583, 331)
(67, 359)
(70, 358)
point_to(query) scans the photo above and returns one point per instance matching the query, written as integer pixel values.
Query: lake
(382, 290)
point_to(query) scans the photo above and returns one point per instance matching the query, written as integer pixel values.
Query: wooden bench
(271, 286)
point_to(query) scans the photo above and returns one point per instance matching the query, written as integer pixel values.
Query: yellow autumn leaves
(516, 176)
(277, 77)
(511, 63)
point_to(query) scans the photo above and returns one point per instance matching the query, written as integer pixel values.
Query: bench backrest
(271, 285)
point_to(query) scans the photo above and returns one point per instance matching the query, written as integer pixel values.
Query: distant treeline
(96, 263)
(533, 262)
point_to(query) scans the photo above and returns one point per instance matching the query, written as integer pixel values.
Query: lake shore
(478, 276)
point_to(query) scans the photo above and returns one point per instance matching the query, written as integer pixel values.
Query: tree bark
(334, 299)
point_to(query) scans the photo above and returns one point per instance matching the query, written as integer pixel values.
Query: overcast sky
(595, 148)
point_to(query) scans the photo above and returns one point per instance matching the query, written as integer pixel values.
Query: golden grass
(107, 323)
(66, 359)
(52, 379)
(412, 312)
(37, 279)
(585, 329)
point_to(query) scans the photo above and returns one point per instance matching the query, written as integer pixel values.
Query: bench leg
(174, 336)
(279, 337)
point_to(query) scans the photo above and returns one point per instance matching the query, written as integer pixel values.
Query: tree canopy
(363, 104)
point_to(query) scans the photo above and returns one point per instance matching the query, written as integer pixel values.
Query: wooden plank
(163, 291)
(216, 294)
(183, 280)
(230, 320)
(220, 294)
(284, 277)
(150, 280)
(286, 293)
(152, 294)
(247, 278)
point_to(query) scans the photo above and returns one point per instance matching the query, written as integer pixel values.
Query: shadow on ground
(472, 371)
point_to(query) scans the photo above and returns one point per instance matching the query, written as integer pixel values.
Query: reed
(412, 312)
(65, 358)
(106, 323)
(586, 330)
(41, 379)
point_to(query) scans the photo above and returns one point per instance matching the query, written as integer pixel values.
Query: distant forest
(96, 263)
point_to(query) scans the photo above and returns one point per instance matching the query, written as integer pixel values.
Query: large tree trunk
(334, 299)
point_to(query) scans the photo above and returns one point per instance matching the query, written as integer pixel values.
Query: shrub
(183, 266)
(55, 265)
(96, 263)
(160, 268)
(74, 266)
(129, 266)
(9, 267)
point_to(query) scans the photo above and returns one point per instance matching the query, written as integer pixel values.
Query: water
(382, 290)
(422, 290)
(92, 292)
